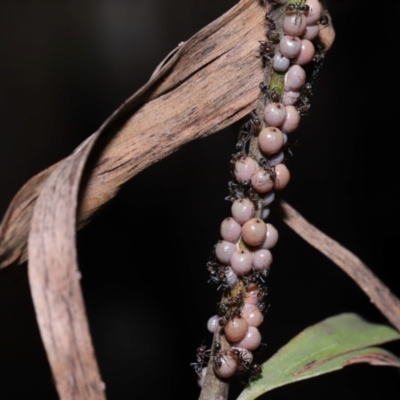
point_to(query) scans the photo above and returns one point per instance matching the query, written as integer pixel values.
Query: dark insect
(216, 347)
(318, 60)
(267, 51)
(230, 314)
(241, 190)
(252, 374)
(255, 372)
(234, 191)
(241, 359)
(230, 308)
(262, 307)
(234, 301)
(324, 20)
(272, 93)
(218, 275)
(271, 4)
(262, 292)
(202, 356)
(235, 158)
(302, 105)
(273, 36)
(216, 354)
(222, 309)
(257, 277)
(247, 130)
(307, 89)
(270, 169)
(268, 17)
(298, 7)
(288, 149)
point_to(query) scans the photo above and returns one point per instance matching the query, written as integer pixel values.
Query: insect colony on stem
(241, 260)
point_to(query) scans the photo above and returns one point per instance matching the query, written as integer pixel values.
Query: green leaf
(330, 345)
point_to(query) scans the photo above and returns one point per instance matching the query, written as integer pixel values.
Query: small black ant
(307, 89)
(324, 20)
(262, 306)
(272, 93)
(271, 23)
(229, 309)
(318, 60)
(217, 354)
(273, 36)
(241, 190)
(271, 4)
(235, 192)
(218, 275)
(222, 309)
(288, 149)
(262, 292)
(257, 277)
(302, 105)
(266, 165)
(298, 8)
(234, 301)
(240, 358)
(253, 374)
(202, 355)
(235, 158)
(231, 314)
(267, 51)
(247, 130)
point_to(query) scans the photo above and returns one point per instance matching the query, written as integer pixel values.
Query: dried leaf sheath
(55, 287)
(210, 82)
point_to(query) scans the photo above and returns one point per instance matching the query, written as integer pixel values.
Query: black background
(66, 65)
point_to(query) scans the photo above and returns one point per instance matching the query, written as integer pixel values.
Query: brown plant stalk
(380, 295)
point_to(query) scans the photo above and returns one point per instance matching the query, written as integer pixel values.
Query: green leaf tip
(327, 346)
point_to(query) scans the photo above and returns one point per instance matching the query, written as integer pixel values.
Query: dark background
(65, 66)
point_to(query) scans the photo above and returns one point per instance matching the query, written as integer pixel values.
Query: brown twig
(213, 386)
(373, 287)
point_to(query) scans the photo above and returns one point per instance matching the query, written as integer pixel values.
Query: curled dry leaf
(373, 356)
(379, 294)
(200, 88)
(54, 282)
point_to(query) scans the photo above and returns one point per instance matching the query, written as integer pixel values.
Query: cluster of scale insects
(220, 273)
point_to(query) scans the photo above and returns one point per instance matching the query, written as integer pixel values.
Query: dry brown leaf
(202, 87)
(54, 282)
(381, 358)
(379, 294)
